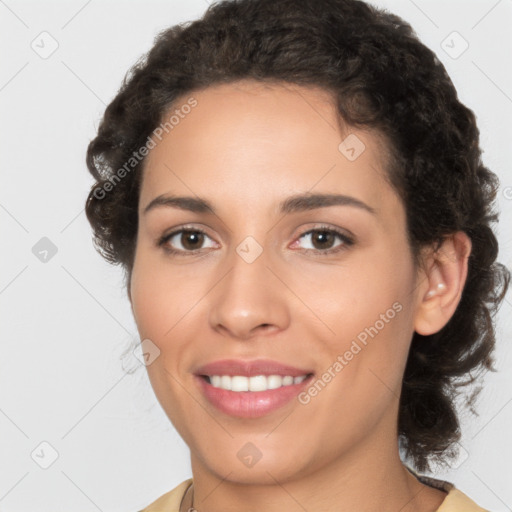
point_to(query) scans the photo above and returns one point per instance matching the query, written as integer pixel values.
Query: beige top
(455, 501)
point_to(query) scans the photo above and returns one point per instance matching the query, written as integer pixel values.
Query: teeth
(239, 383)
(225, 382)
(287, 380)
(256, 383)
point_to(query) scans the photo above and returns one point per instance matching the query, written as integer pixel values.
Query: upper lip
(250, 368)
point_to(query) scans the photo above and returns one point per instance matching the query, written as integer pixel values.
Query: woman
(297, 198)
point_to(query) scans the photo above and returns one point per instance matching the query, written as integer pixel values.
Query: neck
(366, 478)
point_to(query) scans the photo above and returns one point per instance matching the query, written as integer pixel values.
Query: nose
(249, 300)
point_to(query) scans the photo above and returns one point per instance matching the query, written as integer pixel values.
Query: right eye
(184, 241)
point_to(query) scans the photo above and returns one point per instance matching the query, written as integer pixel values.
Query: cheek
(168, 310)
(148, 306)
(352, 296)
(162, 296)
(162, 307)
(368, 308)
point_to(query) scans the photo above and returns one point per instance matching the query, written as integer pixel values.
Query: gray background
(65, 317)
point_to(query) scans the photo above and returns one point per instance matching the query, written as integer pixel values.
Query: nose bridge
(248, 297)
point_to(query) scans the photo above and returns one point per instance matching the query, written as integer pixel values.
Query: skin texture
(245, 148)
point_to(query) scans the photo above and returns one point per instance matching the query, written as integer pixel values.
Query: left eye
(324, 240)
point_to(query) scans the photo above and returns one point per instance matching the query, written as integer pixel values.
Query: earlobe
(444, 276)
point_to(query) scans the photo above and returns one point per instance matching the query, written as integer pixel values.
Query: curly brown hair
(381, 77)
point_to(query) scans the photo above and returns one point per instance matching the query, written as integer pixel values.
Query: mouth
(256, 383)
(250, 389)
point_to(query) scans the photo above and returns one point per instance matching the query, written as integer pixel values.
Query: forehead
(248, 141)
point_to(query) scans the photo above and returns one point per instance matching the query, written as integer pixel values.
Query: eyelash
(347, 241)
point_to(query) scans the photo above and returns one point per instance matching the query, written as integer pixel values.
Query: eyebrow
(297, 203)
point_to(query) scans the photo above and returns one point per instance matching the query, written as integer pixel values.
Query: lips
(250, 404)
(250, 368)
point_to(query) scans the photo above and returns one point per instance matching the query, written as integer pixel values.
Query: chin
(268, 469)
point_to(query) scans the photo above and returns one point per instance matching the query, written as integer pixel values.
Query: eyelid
(183, 227)
(323, 226)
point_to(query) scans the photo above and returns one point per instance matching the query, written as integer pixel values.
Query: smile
(251, 397)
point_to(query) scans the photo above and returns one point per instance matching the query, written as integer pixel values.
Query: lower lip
(250, 404)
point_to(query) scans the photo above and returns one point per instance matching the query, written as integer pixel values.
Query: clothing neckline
(436, 483)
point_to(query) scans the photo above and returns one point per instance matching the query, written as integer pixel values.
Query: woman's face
(324, 284)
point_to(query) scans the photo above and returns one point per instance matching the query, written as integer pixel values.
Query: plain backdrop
(68, 401)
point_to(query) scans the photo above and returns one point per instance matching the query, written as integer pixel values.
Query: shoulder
(455, 501)
(170, 501)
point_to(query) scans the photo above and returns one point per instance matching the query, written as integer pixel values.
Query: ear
(443, 276)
